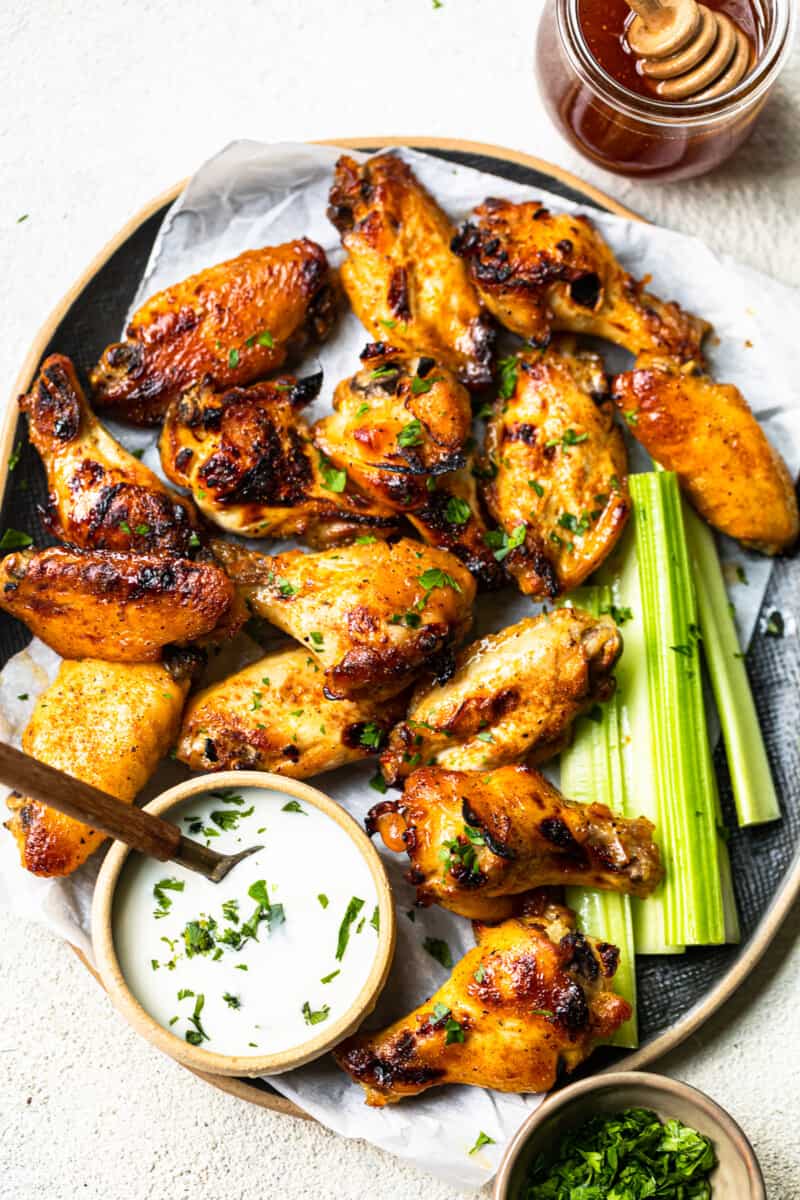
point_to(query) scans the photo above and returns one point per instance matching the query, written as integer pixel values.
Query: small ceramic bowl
(736, 1177)
(198, 1059)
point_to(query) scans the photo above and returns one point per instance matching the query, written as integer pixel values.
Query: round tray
(676, 994)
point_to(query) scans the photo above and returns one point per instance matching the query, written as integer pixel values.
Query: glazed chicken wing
(101, 497)
(230, 324)
(373, 616)
(539, 272)
(116, 607)
(531, 997)
(400, 274)
(556, 471)
(476, 839)
(400, 430)
(248, 457)
(108, 724)
(275, 716)
(512, 698)
(706, 433)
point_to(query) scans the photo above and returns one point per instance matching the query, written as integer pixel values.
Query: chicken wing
(116, 607)
(248, 457)
(373, 616)
(108, 724)
(476, 839)
(512, 698)
(555, 471)
(400, 430)
(275, 716)
(231, 324)
(706, 433)
(400, 274)
(101, 497)
(533, 995)
(539, 272)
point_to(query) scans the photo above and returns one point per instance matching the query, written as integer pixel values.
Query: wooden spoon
(690, 51)
(141, 830)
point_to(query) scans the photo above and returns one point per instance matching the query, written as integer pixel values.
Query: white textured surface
(103, 106)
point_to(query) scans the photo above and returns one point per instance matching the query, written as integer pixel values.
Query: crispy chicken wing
(556, 471)
(108, 724)
(400, 274)
(231, 324)
(512, 698)
(275, 716)
(248, 457)
(504, 831)
(400, 430)
(706, 433)
(116, 607)
(539, 272)
(101, 497)
(533, 995)
(374, 616)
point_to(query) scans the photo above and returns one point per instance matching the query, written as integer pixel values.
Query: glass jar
(638, 135)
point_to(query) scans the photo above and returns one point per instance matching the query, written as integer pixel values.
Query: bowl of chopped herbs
(627, 1136)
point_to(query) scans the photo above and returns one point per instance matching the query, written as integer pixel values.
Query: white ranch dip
(309, 897)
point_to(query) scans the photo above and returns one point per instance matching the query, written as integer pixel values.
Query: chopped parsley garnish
(198, 936)
(457, 511)
(323, 899)
(317, 638)
(574, 524)
(543, 1012)
(231, 1001)
(265, 338)
(453, 1030)
(142, 530)
(328, 978)
(481, 1140)
(685, 650)
(741, 574)
(619, 613)
(312, 1017)
(420, 386)
(502, 543)
(378, 783)
(228, 818)
(571, 438)
(508, 368)
(386, 324)
(198, 1034)
(537, 487)
(13, 457)
(230, 910)
(366, 539)
(163, 901)
(410, 434)
(351, 913)
(375, 919)
(362, 409)
(439, 949)
(631, 417)
(194, 540)
(371, 736)
(22, 696)
(384, 371)
(15, 539)
(285, 589)
(485, 736)
(333, 479)
(435, 577)
(774, 626)
(233, 357)
(480, 974)
(293, 806)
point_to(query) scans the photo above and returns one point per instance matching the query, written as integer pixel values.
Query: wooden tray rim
(789, 889)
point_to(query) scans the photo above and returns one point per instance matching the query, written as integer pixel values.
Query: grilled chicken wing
(533, 995)
(108, 724)
(539, 272)
(373, 616)
(231, 324)
(400, 273)
(400, 429)
(248, 457)
(101, 497)
(706, 433)
(502, 832)
(275, 716)
(512, 698)
(556, 471)
(116, 607)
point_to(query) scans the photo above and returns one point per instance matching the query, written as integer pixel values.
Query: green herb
(15, 539)
(481, 1140)
(13, 457)
(683, 649)
(165, 902)
(353, 909)
(233, 357)
(317, 638)
(24, 216)
(366, 539)
(314, 1018)
(543, 1012)
(420, 386)
(154, 963)
(384, 371)
(485, 736)
(197, 1035)
(480, 974)
(230, 910)
(457, 511)
(285, 589)
(22, 696)
(435, 577)
(125, 527)
(774, 626)
(328, 978)
(198, 936)
(620, 613)
(142, 530)
(333, 479)
(375, 919)
(537, 487)
(508, 368)
(439, 949)
(362, 409)
(387, 324)
(256, 697)
(194, 540)
(410, 434)
(293, 806)
(231, 1001)
(265, 338)
(741, 574)
(502, 543)
(371, 736)
(571, 438)
(631, 417)
(378, 783)
(574, 524)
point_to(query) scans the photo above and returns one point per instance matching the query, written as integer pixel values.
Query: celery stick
(592, 771)
(753, 788)
(681, 757)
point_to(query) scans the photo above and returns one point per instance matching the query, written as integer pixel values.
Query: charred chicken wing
(400, 274)
(108, 724)
(556, 471)
(230, 324)
(512, 698)
(373, 616)
(533, 995)
(539, 272)
(706, 433)
(499, 833)
(248, 457)
(101, 497)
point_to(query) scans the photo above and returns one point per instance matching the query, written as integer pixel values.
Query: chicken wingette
(112, 606)
(373, 615)
(108, 724)
(275, 716)
(247, 456)
(533, 996)
(230, 324)
(101, 497)
(400, 274)
(538, 272)
(512, 697)
(555, 470)
(705, 432)
(477, 839)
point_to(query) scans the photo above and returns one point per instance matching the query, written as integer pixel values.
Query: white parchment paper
(251, 195)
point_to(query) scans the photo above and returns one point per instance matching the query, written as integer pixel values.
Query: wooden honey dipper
(690, 51)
